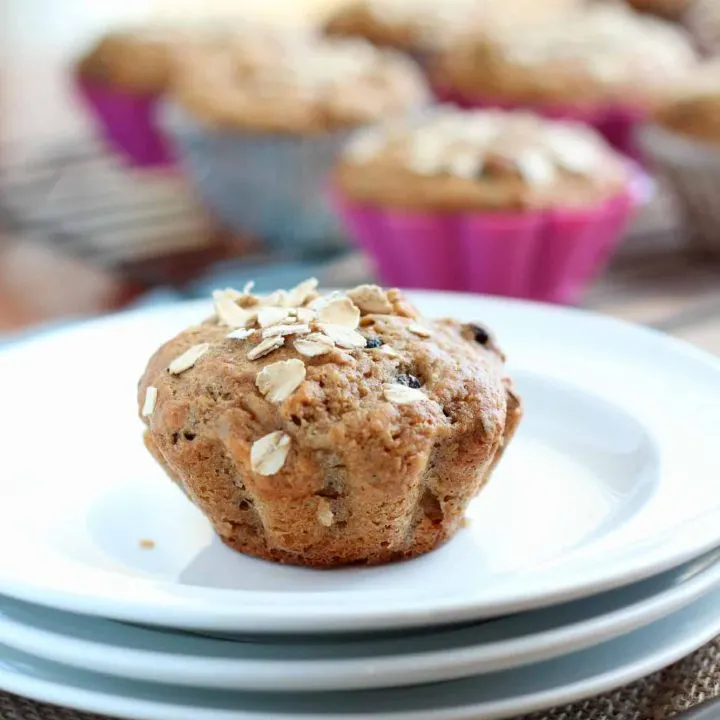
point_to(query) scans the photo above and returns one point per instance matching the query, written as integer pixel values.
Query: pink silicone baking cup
(618, 124)
(545, 255)
(128, 123)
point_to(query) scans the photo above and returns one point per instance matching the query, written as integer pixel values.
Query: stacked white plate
(589, 561)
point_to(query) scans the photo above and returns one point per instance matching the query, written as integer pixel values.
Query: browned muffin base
(229, 511)
(426, 540)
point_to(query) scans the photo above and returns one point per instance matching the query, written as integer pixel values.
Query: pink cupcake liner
(617, 124)
(128, 123)
(545, 255)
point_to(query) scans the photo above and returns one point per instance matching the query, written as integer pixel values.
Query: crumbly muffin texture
(327, 430)
(295, 83)
(430, 24)
(605, 55)
(452, 159)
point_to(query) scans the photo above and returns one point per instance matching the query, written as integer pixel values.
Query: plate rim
(356, 674)
(124, 706)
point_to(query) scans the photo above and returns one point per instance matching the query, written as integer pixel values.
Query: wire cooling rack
(145, 226)
(148, 228)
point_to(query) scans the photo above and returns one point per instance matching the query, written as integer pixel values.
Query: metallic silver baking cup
(270, 186)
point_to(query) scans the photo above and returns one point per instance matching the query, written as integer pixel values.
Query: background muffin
(259, 121)
(683, 143)
(487, 201)
(606, 66)
(422, 26)
(120, 80)
(133, 60)
(329, 431)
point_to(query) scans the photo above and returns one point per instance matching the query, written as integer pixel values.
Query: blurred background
(102, 209)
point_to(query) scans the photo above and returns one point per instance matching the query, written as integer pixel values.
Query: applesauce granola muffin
(605, 55)
(426, 25)
(480, 160)
(287, 82)
(327, 430)
(486, 201)
(259, 122)
(120, 80)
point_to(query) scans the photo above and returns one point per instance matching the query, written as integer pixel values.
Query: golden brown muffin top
(485, 159)
(605, 54)
(293, 364)
(428, 24)
(295, 83)
(140, 59)
(694, 111)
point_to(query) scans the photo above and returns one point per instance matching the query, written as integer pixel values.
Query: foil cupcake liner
(270, 186)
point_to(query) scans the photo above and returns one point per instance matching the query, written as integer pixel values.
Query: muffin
(328, 430)
(258, 123)
(423, 26)
(683, 142)
(120, 79)
(606, 66)
(489, 201)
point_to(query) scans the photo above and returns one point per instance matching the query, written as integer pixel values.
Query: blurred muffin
(329, 430)
(259, 121)
(420, 26)
(606, 65)
(683, 142)
(487, 201)
(136, 61)
(120, 79)
(703, 21)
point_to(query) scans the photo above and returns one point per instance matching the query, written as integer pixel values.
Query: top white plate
(610, 480)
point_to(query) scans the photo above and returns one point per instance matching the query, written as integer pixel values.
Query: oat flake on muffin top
(296, 82)
(481, 159)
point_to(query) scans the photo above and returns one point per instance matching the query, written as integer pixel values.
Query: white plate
(304, 664)
(500, 695)
(609, 480)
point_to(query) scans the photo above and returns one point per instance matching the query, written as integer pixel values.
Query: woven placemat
(657, 697)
